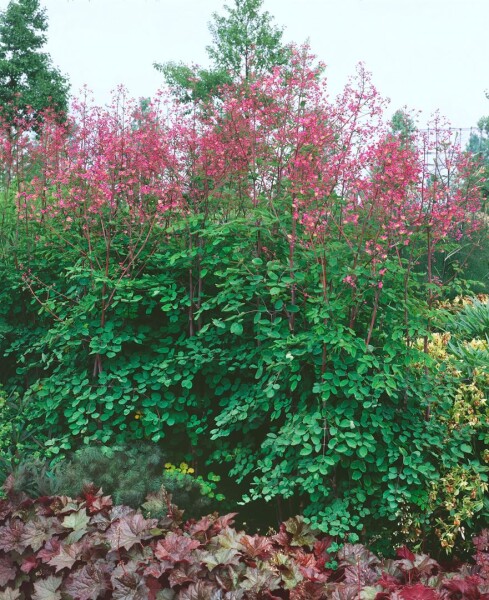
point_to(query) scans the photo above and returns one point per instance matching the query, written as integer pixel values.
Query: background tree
(402, 124)
(245, 41)
(479, 142)
(478, 262)
(28, 81)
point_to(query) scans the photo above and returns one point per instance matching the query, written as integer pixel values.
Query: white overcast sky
(426, 54)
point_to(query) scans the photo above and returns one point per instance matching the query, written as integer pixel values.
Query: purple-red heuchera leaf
(256, 546)
(51, 549)
(89, 582)
(66, 557)
(7, 570)
(29, 563)
(175, 547)
(404, 552)
(462, 588)
(11, 536)
(418, 592)
(130, 530)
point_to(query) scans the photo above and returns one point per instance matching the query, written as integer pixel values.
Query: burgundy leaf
(224, 521)
(256, 546)
(462, 588)
(154, 586)
(309, 590)
(5, 508)
(481, 542)
(66, 557)
(203, 529)
(306, 559)
(51, 549)
(128, 585)
(29, 563)
(11, 536)
(321, 550)
(38, 531)
(388, 582)
(404, 552)
(418, 592)
(89, 582)
(99, 503)
(282, 538)
(202, 590)
(175, 547)
(101, 521)
(184, 573)
(355, 554)
(158, 568)
(7, 570)
(313, 574)
(360, 574)
(129, 530)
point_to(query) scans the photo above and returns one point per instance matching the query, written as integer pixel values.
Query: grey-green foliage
(471, 322)
(479, 142)
(27, 76)
(469, 328)
(126, 474)
(245, 41)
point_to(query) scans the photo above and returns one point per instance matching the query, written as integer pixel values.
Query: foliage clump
(54, 548)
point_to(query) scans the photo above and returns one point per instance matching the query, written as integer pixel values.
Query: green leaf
(362, 451)
(237, 328)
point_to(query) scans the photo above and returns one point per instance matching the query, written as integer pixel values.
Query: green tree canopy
(402, 124)
(479, 141)
(27, 76)
(245, 42)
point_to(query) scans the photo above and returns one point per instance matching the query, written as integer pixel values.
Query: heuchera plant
(55, 548)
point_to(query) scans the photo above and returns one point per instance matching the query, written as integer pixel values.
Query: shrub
(244, 285)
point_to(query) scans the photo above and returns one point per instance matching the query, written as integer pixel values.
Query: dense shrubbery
(251, 285)
(56, 547)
